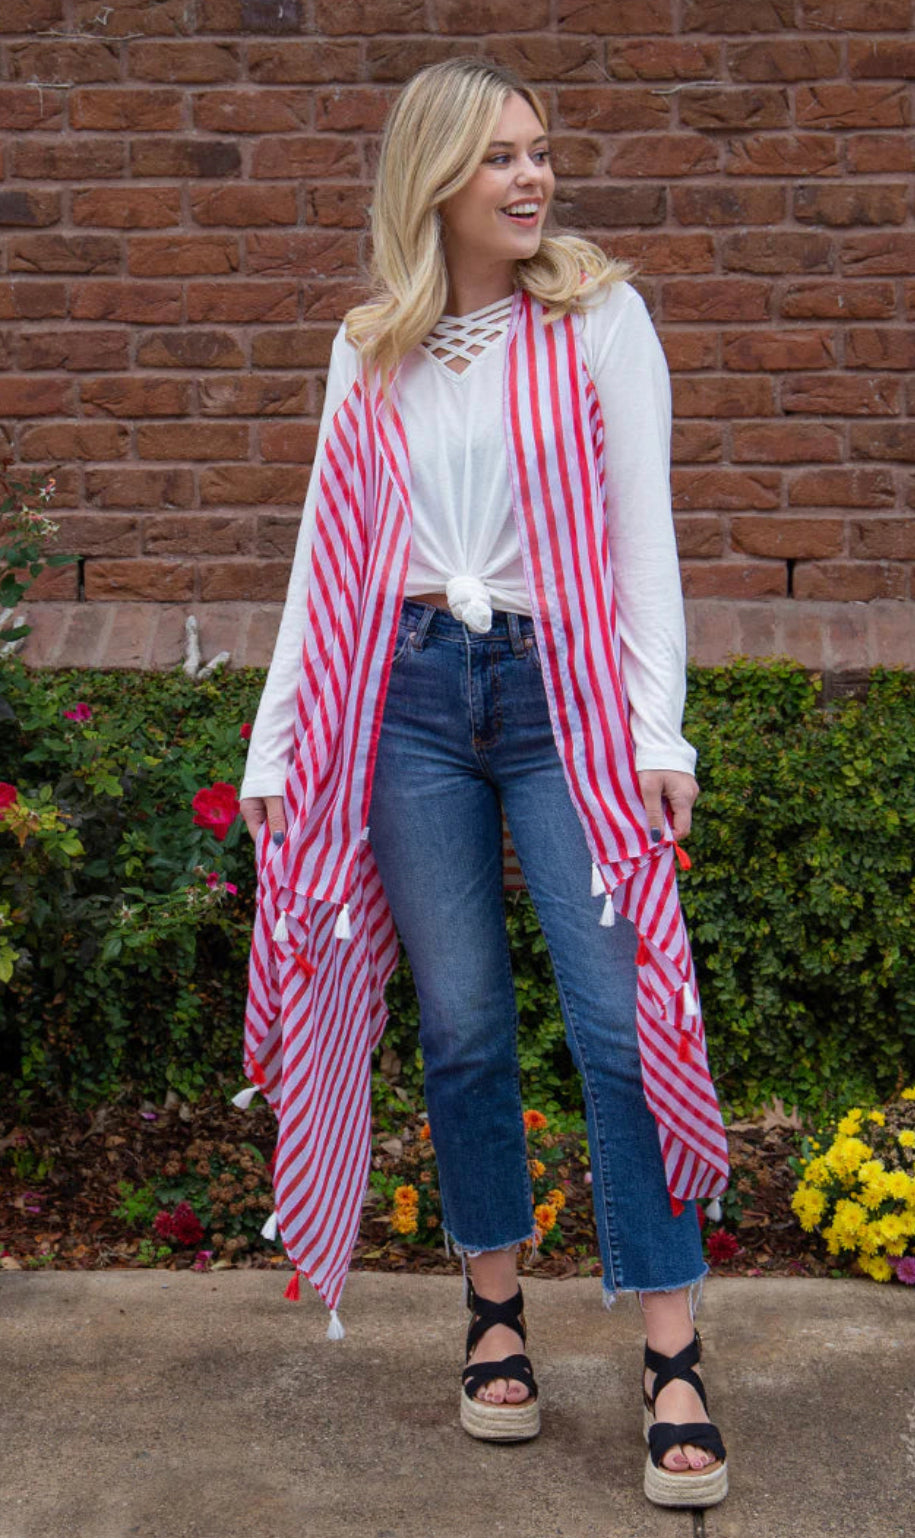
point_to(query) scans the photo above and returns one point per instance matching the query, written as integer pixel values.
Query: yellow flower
(906, 1139)
(876, 1266)
(846, 1154)
(878, 1117)
(809, 1205)
(848, 1220)
(870, 1169)
(850, 1123)
(817, 1172)
(537, 1169)
(909, 1094)
(545, 1217)
(556, 1198)
(898, 1184)
(404, 1222)
(875, 1190)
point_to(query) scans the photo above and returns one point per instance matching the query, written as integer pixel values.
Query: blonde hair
(434, 139)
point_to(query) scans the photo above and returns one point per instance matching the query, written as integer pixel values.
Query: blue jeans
(466, 733)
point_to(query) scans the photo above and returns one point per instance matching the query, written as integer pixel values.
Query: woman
(484, 617)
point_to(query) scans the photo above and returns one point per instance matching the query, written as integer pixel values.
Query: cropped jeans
(466, 733)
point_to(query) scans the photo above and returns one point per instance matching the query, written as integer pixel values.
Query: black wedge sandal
(686, 1487)
(498, 1422)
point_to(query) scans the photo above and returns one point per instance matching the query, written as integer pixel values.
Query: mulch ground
(60, 1175)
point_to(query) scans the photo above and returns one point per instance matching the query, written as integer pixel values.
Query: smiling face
(479, 236)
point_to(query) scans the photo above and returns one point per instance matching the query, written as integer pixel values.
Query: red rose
(8, 794)
(244, 730)
(216, 808)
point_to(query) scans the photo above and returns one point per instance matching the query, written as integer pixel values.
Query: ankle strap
(666, 1368)
(487, 1313)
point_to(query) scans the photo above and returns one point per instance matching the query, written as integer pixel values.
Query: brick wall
(183, 195)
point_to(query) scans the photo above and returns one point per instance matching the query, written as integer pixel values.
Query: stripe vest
(324, 945)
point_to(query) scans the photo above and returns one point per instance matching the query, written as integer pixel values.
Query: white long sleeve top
(463, 526)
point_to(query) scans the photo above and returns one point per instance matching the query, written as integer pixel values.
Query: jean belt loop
(514, 630)
(428, 615)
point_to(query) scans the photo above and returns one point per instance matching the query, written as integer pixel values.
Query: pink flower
(231, 887)
(244, 730)
(186, 1226)
(721, 1246)
(216, 808)
(905, 1270)
(8, 794)
(202, 1260)
(213, 880)
(80, 712)
(162, 1223)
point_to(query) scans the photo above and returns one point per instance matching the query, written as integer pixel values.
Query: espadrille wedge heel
(498, 1422)
(686, 1487)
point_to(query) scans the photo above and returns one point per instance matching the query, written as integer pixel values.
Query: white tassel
(280, 932)
(244, 1097)
(269, 1229)
(608, 917)
(335, 1330)
(714, 1210)
(690, 1007)
(342, 931)
(597, 881)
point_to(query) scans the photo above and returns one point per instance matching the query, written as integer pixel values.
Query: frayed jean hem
(609, 1295)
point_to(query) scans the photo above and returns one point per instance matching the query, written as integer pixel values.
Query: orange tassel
(292, 1291)
(684, 1051)
(257, 1073)
(676, 1206)
(304, 965)
(643, 954)
(683, 859)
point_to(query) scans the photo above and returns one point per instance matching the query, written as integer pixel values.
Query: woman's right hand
(256, 811)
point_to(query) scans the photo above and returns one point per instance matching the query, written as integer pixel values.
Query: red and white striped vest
(324, 944)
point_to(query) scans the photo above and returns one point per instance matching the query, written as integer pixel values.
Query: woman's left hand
(675, 787)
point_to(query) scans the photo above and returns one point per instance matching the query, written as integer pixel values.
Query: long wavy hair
(434, 139)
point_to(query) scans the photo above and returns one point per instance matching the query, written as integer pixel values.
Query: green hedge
(129, 973)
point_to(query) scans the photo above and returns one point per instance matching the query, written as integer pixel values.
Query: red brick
(475, 18)
(24, 107)
(661, 59)
(539, 59)
(163, 18)
(839, 104)
(315, 62)
(97, 534)
(21, 397)
(142, 303)
(55, 582)
(63, 63)
(245, 205)
(724, 489)
(134, 110)
(698, 536)
(890, 252)
(21, 299)
(785, 442)
(721, 203)
(252, 486)
(829, 298)
(858, 15)
(172, 256)
(662, 155)
(159, 581)
(309, 254)
(882, 539)
(127, 207)
(265, 582)
(366, 17)
(661, 252)
(287, 443)
(194, 63)
(788, 538)
(733, 579)
(64, 253)
(335, 207)
(782, 155)
(136, 397)
(842, 395)
(326, 299)
(708, 395)
(350, 109)
(305, 155)
(795, 58)
(241, 301)
(696, 443)
(30, 15)
(624, 16)
(192, 440)
(29, 208)
(252, 112)
(120, 486)
(190, 349)
(299, 347)
(197, 534)
(777, 251)
(68, 348)
(774, 351)
(850, 581)
(199, 158)
(75, 440)
(607, 109)
(909, 291)
(715, 299)
(883, 440)
(851, 204)
(250, 395)
(841, 488)
(67, 490)
(226, 16)
(598, 206)
(885, 59)
(737, 15)
(67, 160)
(276, 536)
(689, 350)
(716, 107)
(871, 154)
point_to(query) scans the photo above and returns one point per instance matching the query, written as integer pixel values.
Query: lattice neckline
(464, 338)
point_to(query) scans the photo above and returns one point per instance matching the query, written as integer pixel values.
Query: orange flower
(534, 1121)
(537, 1169)
(545, 1217)
(404, 1222)
(556, 1199)
(406, 1196)
(425, 1132)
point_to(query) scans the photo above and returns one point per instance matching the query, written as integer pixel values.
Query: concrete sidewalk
(182, 1405)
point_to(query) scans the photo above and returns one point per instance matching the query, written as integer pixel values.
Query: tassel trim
(597, 881)
(683, 859)
(257, 1073)
(642, 954)
(269, 1229)
(714, 1210)
(292, 1291)
(342, 929)
(280, 932)
(244, 1097)
(608, 916)
(335, 1330)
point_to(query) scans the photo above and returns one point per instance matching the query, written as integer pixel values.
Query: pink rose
(216, 808)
